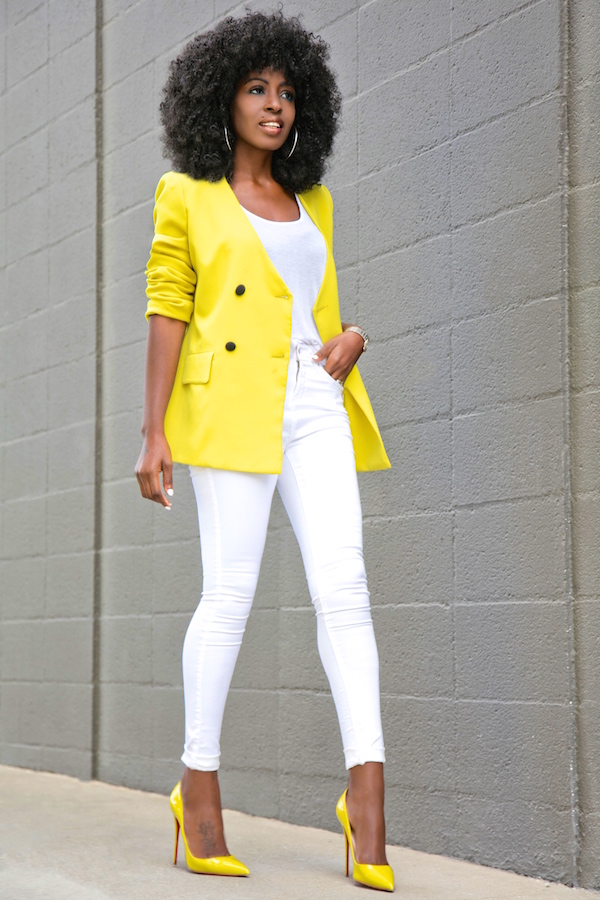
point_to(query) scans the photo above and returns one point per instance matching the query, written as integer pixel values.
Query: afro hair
(203, 81)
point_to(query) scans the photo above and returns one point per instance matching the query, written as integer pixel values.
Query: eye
(257, 87)
(288, 95)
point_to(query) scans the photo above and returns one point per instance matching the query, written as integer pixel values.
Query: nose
(273, 101)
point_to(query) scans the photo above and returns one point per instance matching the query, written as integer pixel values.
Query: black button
(230, 345)
(240, 289)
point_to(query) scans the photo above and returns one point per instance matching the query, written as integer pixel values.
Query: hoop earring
(294, 144)
(227, 138)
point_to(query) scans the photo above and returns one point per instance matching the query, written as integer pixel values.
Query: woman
(251, 381)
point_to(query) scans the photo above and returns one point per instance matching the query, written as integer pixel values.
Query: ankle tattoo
(209, 843)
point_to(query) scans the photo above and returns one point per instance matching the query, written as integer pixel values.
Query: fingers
(338, 374)
(338, 370)
(147, 472)
(339, 363)
(167, 470)
(341, 353)
(140, 474)
(150, 488)
(156, 492)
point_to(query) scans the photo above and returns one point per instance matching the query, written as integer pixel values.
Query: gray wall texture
(466, 183)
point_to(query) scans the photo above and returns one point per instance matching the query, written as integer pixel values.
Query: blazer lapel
(321, 303)
(231, 207)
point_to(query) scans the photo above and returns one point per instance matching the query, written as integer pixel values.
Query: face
(264, 109)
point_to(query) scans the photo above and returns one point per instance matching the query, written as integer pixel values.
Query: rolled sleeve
(171, 279)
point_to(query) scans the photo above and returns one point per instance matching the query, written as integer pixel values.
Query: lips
(272, 126)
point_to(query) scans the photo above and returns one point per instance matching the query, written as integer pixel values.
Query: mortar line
(451, 404)
(98, 121)
(564, 47)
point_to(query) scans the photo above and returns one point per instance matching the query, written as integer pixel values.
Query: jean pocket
(339, 385)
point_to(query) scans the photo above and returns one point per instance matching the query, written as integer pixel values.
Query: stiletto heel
(176, 840)
(379, 877)
(347, 855)
(213, 865)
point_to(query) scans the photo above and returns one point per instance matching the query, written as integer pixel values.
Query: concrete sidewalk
(64, 839)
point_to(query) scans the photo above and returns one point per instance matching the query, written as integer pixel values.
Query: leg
(233, 513)
(319, 489)
(202, 817)
(365, 812)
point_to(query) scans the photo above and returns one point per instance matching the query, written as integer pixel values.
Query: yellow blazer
(209, 268)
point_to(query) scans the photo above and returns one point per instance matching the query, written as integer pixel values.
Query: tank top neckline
(277, 221)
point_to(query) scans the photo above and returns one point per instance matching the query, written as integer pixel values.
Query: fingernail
(315, 356)
(170, 492)
(167, 507)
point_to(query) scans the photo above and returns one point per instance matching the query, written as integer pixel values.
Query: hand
(155, 457)
(341, 352)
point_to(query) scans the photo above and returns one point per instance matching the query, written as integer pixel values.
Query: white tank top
(298, 252)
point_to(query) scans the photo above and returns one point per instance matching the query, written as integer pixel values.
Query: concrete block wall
(47, 354)
(584, 313)
(468, 151)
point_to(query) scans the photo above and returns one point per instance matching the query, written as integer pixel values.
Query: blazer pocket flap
(196, 368)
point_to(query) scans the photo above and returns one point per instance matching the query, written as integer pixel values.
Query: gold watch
(361, 332)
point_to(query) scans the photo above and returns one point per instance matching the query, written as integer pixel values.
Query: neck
(251, 164)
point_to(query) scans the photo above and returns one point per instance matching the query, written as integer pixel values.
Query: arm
(170, 289)
(165, 337)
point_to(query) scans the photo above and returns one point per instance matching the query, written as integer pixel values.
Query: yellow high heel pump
(379, 877)
(213, 865)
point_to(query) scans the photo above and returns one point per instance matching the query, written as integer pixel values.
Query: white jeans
(318, 487)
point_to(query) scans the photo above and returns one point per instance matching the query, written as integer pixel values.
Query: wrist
(356, 329)
(152, 432)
